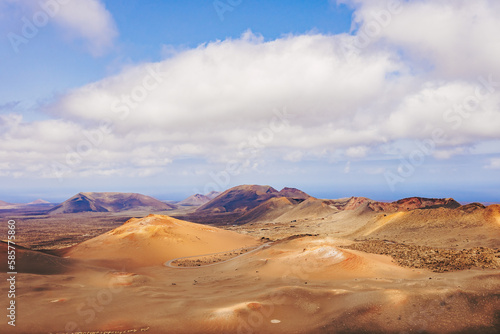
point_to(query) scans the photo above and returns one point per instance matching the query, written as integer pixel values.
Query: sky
(383, 99)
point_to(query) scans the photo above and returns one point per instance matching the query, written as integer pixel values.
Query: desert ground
(274, 262)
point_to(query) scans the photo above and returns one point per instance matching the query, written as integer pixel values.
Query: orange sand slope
(471, 225)
(28, 261)
(316, 258)
(155, 239)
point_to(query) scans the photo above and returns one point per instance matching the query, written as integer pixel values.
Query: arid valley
(250, 167)
(254, 259)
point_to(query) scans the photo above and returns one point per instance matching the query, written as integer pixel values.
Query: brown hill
(109, 202)
(351, 203)
(239, 199)
(472, 225)
(492, 214)
(413, 203)
(3, 203)
(156, 239)
(38, 202)
(293, 193)
(211, 195)
(248, 203)
(303, 207)
(406, 204)
(269, 210)
(199, 199)
(243, 198)
(310, 208)
(195, 200)
(38, 206)
(313, 208)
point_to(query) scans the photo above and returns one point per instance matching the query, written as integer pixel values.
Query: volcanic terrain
(272, 262)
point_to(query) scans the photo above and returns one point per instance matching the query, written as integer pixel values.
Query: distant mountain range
(39, 203)
(252, 203)
(246, 202)
(240, 204)
(109, 202)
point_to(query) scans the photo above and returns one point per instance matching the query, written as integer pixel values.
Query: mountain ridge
(109, 202)
(241, 199)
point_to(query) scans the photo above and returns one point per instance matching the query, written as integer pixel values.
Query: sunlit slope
(470, 225)
(155, 239)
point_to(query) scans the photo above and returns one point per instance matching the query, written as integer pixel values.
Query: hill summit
(154, 239)
(246, 197)
(109, 202)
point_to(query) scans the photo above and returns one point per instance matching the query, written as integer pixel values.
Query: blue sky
(49, 65)
(383, 99)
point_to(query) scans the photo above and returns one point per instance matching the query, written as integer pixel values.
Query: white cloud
(494, 164)
(241, 78)
(447, 107)
(294, 156)
(457, 39)
(90, 21)
(445, 154)
(357, 151)
(87, 21)
(347, 167)
(216, 96)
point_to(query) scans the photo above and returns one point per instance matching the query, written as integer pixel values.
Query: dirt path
(169, 263)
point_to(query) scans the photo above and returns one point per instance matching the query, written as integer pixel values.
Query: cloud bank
(409, 73)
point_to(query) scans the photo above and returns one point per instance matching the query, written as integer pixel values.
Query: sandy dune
(34, 262)
(310, 208)
(467, 226)
(299, 285)
(154, 240)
